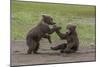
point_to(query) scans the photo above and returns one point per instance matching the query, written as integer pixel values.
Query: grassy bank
(26, 15)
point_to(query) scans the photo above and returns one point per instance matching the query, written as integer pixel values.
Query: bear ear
(44, 16)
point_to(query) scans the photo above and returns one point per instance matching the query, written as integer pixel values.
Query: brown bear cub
(42, 30)
(72, 40)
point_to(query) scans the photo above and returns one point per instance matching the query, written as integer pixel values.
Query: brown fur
(40, 31)
(71, 38)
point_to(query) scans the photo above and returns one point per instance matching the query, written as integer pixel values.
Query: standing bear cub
(42, 30)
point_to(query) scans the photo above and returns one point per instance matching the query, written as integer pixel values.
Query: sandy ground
(47, 56)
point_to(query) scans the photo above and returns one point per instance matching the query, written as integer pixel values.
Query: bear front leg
(47, 36)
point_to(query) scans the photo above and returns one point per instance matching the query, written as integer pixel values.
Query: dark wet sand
(46, 56)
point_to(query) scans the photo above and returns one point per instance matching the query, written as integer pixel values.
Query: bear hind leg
(29, 51)
(36, 48)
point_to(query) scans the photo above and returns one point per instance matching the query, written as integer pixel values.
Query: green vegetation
(26, 15)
